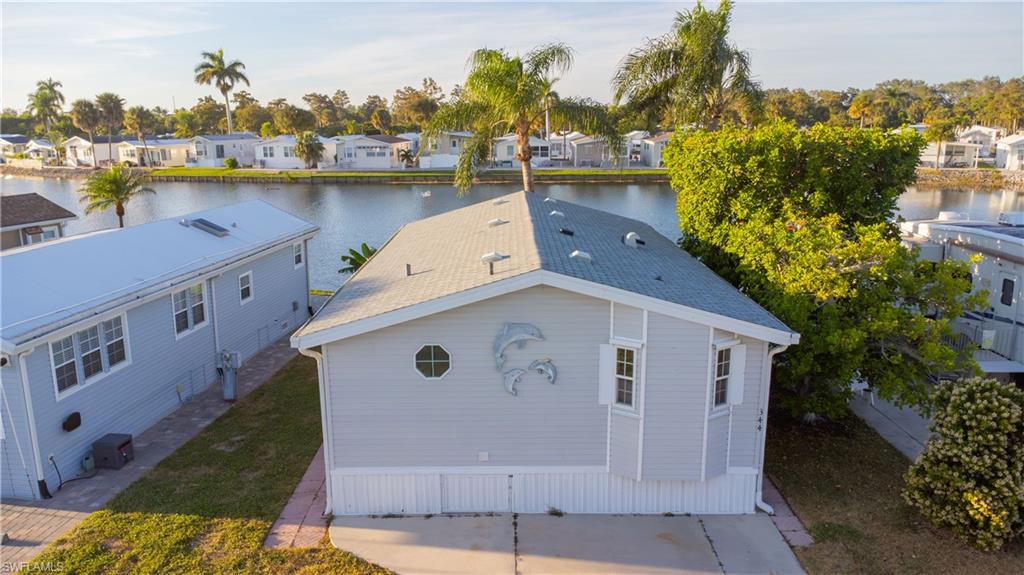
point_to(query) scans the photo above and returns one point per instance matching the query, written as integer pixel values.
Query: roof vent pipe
(557, 214)
(408, 270)
(633, 240)
(492, 257)
(496, 222)
(580, 255)
(551, 200)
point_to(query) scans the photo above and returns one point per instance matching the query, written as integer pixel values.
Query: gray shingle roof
(25, 209)
(445, 250)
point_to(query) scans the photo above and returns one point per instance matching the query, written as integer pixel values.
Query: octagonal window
(433, 361)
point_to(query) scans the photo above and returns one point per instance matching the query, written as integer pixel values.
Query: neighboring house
(561, 357)
(210, 150)
(41, 148)
(635, 144)
(11, 144)
(1010, 152)
(165, 152)
(413, 137)
(445, 151)
(109, 332)
(504, 151)
(561, 150)
(30, 219)
(591, 151)
(79, 152)
(995, 253)
(279, 154)
(375, 152)
(653, 148)
(919, 128)
(982, 136)
(950, 155)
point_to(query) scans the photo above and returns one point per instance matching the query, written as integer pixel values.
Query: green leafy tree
(512, 94)
(215, 70)
(88, 118)
(309, 148)
(693, 74)
(209, 115)
(293, 120)
(940, 129)
(381, 119)
(322, 108)
(355, 259)
(242, 98)
(111, 107)
(970, 478)
(801, 221)
(251, 117)
(113, 188)
(138, 120)
(186, 124)
(269, 130)
(46, 103)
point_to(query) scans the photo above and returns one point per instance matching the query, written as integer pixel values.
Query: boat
(997, 247)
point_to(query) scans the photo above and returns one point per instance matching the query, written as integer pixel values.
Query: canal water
(351, 214)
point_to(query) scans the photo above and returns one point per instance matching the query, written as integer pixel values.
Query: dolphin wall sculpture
(517, 333)
(512, 377)
(545, 367)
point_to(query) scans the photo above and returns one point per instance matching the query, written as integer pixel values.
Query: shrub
(970, 477)
(231, 163)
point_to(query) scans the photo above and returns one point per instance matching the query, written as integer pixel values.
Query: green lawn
(844, 482)
(540, 173)
(208, 507)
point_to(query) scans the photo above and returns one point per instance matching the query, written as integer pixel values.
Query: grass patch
(844, 483)
(206, 508)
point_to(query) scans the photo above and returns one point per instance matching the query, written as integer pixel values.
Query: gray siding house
(122, 326)
(30, 219)
(527, 353)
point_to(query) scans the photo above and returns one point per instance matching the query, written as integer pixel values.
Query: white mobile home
(653, 148)
(995, 252)
(983, 136)
(110, 331)
(526, 354)
(30, 219)
(79, 151)
(165, 153)
(375, 152)
(561, 148)
(950, 155)
(41, 148)
(279, 154)
(11, 144)
(210, 150)
(505, 149)
(1010, 153)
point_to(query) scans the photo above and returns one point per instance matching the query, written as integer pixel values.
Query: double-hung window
(189, 308)
(625, 376)
(86, 354)
(298, 255)
(245, 287)
(722, 370)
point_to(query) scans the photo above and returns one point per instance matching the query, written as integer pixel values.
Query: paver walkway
(785, 520)
(32, 525)
(302, 522)
(902, 427)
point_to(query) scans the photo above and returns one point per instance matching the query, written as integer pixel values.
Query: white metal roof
(53, 284)
(1011, 140)
(444, 254)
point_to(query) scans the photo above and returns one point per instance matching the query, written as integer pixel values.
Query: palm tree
(114, 187)
(309, 148)
(504, 94)
(940, 129)
(692, 74)
(355, 259)
(87, 117)
(406, 156)
(138, 120)
(111, 107)
(381, 119)
(46, 102)
(224, 75)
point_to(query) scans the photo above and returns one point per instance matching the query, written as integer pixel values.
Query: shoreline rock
(969, 178)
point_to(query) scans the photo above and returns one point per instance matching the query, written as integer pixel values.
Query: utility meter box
(113, 450)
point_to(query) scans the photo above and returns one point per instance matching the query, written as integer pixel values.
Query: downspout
(760, 503)
(325, 425)
(37, 458)
(216, 317)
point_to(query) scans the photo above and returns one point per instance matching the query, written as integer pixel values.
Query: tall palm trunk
(92, 150)
(119, 210)
(524, 156)
(227, 110)
(110, 145)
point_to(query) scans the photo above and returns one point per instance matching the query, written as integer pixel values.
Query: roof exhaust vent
(551, 200)
(490, 258)
(209, 227)
(500, 201)
(184, 222)
(557, 214)
(580, 255)
(566, 231)
(496, 222)
(633, 240)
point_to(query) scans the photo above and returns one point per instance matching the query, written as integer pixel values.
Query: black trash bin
(113, 450)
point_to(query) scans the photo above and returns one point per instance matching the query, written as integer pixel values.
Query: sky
(146, 51)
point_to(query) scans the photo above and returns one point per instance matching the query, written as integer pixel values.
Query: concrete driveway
(585, 544)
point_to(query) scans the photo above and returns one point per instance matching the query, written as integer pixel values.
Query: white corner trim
(710, 377)
(33, 437)
(643, 404)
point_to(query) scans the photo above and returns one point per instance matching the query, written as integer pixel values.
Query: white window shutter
(737, 365)
(606, 375)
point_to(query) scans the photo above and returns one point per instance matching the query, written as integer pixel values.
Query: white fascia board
(40, 224)
(548, 278)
